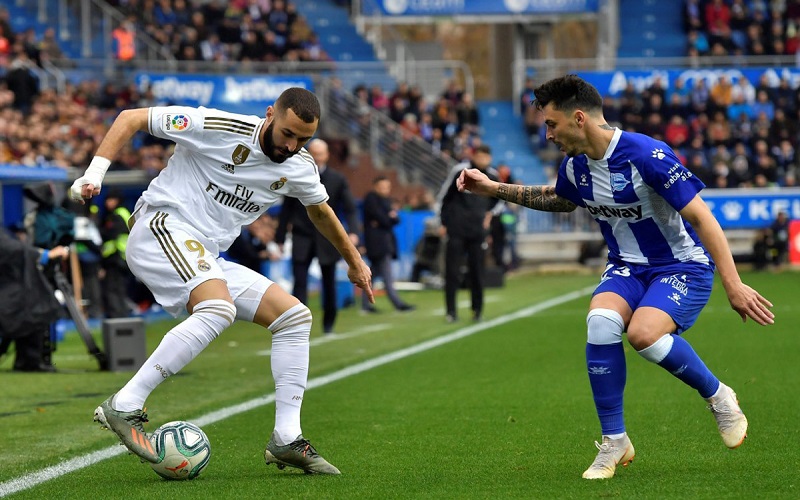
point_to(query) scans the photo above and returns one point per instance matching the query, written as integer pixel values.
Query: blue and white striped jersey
(635, 192)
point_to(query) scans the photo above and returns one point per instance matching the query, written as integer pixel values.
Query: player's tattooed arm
(536, 197)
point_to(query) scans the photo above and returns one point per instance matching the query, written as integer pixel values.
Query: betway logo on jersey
(630, 212)
(239, 199)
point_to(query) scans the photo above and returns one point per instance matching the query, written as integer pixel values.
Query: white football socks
(290, 346)
(178, 347)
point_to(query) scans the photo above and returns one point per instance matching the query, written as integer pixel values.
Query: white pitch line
(36, 478)
(338, 336)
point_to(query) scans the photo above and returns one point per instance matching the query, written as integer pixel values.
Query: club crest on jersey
(278, 184)
(618, 181)
(203, 265)
(176, 123)
(240, 154)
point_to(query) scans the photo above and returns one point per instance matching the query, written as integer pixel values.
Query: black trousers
(300, 290)
(30, 350)
(455, 250)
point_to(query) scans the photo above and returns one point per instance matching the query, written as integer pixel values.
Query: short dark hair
(568, 93)
(303, 102)
(379, 178)
(484, 148)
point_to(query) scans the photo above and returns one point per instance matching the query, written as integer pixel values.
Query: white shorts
(172, 258)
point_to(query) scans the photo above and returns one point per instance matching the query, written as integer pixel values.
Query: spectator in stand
(719, 130)
(21, 81)
(693, 16)
(744, 89)
(453, 93)
(677, 132)
(467, 112)
(378, 99)
(399, 109)
(784, 96)
(764, 105)
(740, 19)
(718, 18)
(781, 128)
(766, 166)
(164, 15)
(526, 97)
(49, 49)
(699, 96)
(741, 166)
(5, 46)
(722, 93)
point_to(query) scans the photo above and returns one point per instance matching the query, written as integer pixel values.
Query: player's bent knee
(604, 326)
(295, 321)
(642, 336)
(217, 314)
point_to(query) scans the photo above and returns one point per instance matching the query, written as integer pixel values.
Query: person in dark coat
(22, 83)
(465, 221)
(308, 243)
(379, 240)
(29, 305)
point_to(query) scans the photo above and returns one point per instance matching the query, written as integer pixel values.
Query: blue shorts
(680, 290)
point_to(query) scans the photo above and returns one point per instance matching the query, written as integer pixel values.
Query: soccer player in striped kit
(227, 170)
(663, 247)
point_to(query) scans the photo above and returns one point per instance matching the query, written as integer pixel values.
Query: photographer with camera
(29, 304)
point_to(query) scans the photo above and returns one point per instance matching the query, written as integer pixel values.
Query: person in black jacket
(379, 240)
(308, 243)
(465, 222)
(29, 305)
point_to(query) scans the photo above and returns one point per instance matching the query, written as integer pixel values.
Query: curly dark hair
(303, 102)
(568, 93)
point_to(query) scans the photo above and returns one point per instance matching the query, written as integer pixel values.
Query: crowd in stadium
(451, 124)
(259, 30)
(730, 134)
(742, 27)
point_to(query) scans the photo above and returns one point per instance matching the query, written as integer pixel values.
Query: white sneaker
(731, 421)
(612, 452)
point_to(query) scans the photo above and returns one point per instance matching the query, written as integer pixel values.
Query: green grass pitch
(505, 411)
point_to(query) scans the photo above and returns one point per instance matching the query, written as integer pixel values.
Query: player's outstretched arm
(542, 198)
(744, 300)
(127, 123)
(325, 220)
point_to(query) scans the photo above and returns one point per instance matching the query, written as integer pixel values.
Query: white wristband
(94, 175)
(97, 169)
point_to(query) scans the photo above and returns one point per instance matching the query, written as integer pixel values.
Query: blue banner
(612, 83)
(475, 7)
(751, 208)
(249, 95)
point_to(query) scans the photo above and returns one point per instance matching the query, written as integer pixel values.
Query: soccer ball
(183, 450)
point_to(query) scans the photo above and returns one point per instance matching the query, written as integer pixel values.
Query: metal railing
(389, 146)
(94, 17)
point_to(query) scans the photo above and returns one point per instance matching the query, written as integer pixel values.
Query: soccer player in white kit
(227, 169)
(664, 245)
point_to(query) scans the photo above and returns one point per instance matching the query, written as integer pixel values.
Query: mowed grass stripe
(30, 480)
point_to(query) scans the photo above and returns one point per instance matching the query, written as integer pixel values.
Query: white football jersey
(218, 177)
